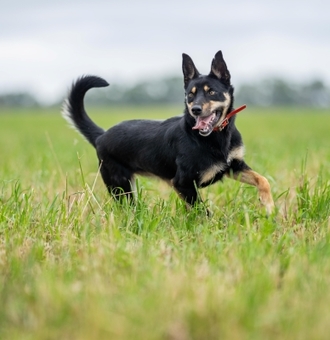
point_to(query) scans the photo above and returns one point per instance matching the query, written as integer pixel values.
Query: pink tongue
(202, 123)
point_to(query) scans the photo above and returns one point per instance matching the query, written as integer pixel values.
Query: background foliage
(169, 91)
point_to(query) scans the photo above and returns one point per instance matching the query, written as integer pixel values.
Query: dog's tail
(74, 111)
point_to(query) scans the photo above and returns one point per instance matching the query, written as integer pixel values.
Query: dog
(189, 152)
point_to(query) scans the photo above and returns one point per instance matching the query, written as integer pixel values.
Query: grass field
(76, 265)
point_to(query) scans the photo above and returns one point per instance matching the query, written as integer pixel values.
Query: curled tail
(74, 111)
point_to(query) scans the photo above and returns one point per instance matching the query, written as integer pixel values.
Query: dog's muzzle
(205, 125)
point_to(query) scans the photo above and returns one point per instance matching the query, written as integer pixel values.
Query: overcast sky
(44, 45)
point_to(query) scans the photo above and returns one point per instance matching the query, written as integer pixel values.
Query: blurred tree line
(266, 92)
(278, 92)
(19, 99)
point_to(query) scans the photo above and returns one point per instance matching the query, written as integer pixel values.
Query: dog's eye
(190, 95)
(211, 92)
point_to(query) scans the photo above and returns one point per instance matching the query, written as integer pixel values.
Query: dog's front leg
(248, 176)
(186, 191)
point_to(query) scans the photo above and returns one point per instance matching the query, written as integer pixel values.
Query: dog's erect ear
(219, 69)
(189, 69)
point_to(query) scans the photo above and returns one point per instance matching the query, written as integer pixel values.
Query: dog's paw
(268, 203)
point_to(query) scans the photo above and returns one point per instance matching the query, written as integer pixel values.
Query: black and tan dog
(190, 151)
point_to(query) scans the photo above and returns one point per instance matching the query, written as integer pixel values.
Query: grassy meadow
(74, 264)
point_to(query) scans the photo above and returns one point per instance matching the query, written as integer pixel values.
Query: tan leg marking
(261, 183)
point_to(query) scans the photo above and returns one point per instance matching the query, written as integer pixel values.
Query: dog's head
(208, 98)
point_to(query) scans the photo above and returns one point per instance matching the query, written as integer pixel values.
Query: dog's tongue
(203, 123)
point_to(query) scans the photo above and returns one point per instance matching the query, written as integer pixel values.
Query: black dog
(191, 151)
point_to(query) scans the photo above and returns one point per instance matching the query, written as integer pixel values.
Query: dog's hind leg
(118, 179)
(243, 173)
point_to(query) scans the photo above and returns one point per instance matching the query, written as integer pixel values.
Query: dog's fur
(187, 151)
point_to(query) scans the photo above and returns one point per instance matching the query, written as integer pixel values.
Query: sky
(45, 45)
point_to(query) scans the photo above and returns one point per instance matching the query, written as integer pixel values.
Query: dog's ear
(189, 69)
(219, 69)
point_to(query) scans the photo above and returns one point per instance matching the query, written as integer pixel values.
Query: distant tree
(279, 92)
(23, 99)
(316, 94)
(265, 92)
(163, 91)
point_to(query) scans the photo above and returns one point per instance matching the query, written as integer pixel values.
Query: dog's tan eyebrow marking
(206, 88)
(193, 90)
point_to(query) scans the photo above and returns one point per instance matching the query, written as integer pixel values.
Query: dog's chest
(215, 171)
(211, 173)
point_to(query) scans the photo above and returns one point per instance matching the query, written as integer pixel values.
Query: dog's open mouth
(205, 125)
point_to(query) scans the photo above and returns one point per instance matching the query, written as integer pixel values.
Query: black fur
(172, 150)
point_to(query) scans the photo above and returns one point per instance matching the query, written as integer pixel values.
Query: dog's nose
(196, 110)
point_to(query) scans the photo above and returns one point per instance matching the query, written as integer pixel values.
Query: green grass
(76, 265)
